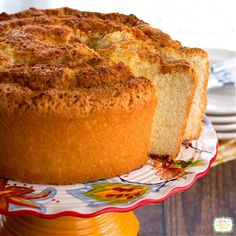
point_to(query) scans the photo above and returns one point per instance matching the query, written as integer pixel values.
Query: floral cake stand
(103, 207)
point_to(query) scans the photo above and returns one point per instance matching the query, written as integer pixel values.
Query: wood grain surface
(192, 212)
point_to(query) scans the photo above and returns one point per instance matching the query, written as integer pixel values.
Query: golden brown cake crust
(60, 150)
(68, 115)
(48, 64)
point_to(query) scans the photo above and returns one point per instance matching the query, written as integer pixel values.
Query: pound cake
(86, 96)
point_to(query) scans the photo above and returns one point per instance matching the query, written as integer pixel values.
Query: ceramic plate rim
(115, 209)
(223, 119)
(225, 127)
(226, 135)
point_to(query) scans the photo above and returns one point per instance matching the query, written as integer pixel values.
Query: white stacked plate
(221, 108)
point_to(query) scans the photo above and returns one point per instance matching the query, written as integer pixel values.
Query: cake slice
(172, 51)
(175, 84)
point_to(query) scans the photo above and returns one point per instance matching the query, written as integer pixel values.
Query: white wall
(199, 23)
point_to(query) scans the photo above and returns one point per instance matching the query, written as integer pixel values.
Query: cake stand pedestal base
(104, 224)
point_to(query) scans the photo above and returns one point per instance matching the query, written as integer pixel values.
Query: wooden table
(192, 212)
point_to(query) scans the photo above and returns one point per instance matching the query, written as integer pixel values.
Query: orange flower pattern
(104, 192)
(13, 197)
